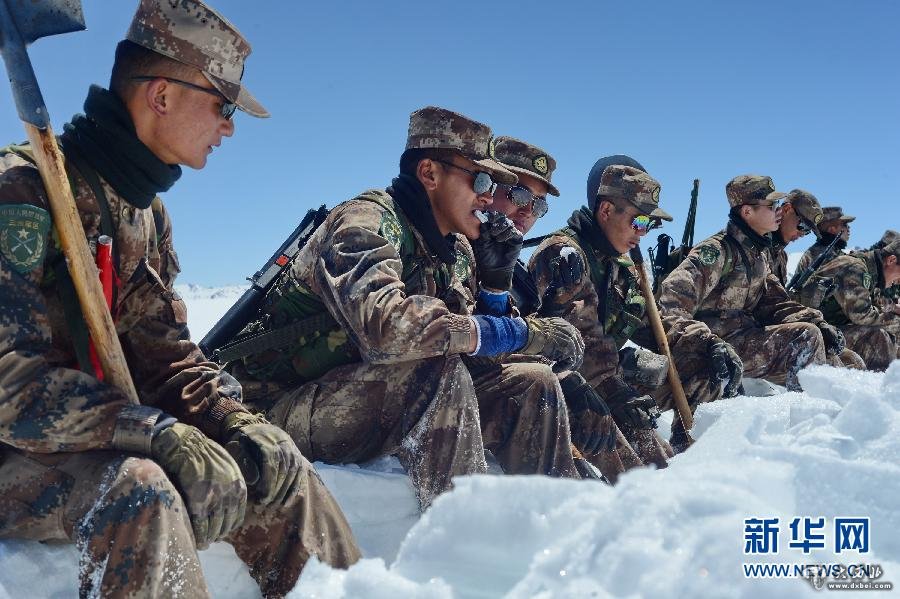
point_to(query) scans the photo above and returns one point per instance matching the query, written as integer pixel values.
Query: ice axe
(22, 22)
(681, 402)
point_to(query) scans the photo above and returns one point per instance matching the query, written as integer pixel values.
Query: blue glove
(499, 335)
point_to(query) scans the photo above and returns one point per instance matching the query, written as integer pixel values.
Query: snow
(831, 451)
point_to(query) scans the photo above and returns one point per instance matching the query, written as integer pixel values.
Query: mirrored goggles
(483, 183)
(522, 197)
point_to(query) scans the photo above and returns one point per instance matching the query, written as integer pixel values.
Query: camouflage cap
(752, 190)
(831, 213)
(889, 236)
(439, 128)
(634, 186)
(805, 205)
(194, 34)
(525, 159)
(891, 249)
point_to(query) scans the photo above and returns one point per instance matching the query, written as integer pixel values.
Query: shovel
(22, 22)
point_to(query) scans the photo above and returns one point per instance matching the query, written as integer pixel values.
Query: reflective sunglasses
(483, 182)
(803, 227)
(228, 108)
(522, 197)
(643, 223)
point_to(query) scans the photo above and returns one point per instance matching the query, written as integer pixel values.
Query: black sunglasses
(483, 182)
(803, 227)
(228, 108)
(522, 197)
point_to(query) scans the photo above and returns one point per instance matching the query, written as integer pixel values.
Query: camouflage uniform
(870, 330)
(398, 326)
(73, 450)
(829, 214)
(725, 289)
(807, 208)
(887, 298)
(605, 303)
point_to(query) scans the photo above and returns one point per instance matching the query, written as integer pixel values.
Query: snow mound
(831, 451)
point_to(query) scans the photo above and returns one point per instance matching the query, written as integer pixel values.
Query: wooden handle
(681, 402)
(80, 261)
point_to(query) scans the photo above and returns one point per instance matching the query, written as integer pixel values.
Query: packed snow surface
(830, 452)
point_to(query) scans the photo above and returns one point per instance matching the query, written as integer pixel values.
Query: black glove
(833, 337)
(566, 268)
(630, 410)
(555, 339)
(592, 424)
(496, 251)
(726, 366)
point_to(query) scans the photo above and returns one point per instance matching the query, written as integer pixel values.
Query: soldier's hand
(643, 367)
(726, 366)
(496, 251)
(635, 412)
(833, 338)
(592, 425)
(566, 268)
(270, 452)
(555, 339)
(209, 480)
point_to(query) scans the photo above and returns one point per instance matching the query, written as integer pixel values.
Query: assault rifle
(799, 279)
(243, 310)
(666, 257)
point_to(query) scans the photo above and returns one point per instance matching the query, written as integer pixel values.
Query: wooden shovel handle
(81, 264)
(681, 402)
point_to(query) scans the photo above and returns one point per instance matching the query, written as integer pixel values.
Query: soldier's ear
(604, 211)
(156, 96)
(427, 173)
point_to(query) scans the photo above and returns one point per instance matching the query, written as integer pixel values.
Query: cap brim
(243, 98)
(497, 172)
(775, 196)
(660, 213)
(847, 219)
(551, 189)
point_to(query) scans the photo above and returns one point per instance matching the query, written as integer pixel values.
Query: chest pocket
(626, 309)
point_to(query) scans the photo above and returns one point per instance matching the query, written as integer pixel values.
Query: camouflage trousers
(132, 529)
(431, 415)
(778, 352)
(877, 347)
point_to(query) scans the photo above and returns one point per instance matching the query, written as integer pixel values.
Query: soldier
(602, 297)
(376, 312)
(594, 432)
(892, 293)
(800, 213)
(872, 331)
(724, 291)
(137, 487)
(834, 224)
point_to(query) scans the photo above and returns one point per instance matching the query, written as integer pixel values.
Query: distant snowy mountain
(764, 471)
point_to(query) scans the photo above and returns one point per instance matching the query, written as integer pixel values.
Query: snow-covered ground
(830, 452)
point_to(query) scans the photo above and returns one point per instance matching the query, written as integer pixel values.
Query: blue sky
(804, 91)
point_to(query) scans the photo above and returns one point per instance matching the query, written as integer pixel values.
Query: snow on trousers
(132, 529)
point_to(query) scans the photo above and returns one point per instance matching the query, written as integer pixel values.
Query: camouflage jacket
(46, 403)
(604, 325)
(860, 282)
(778, 260)
(725, 284)
(392, 300)
(814, 251)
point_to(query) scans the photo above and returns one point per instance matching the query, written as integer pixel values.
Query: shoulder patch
(708, 255)
(23, 235)
(390, 229)
(461, 266)
(867, 280)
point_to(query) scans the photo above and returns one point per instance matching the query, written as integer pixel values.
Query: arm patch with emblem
(708, 255)
(390, 229)
(23, 235)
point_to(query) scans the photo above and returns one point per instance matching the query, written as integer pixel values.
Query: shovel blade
(39, 18)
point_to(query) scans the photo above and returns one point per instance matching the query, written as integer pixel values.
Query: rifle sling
(275, 338)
